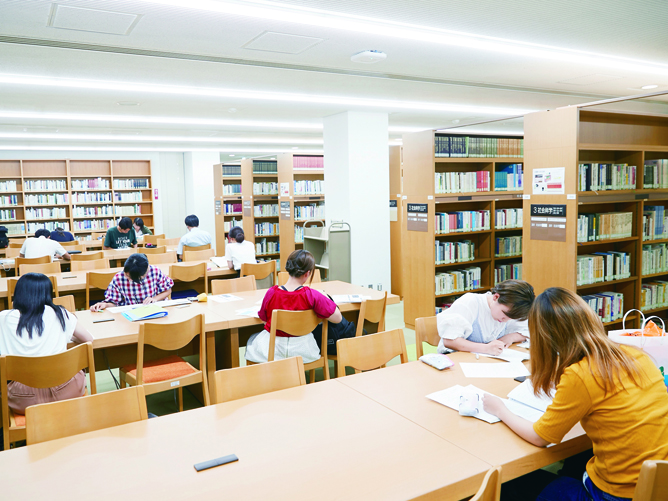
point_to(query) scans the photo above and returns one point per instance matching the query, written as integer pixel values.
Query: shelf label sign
(247, 207)
(393, 210)
(549, 181)
(155, 193)
(548, 222)
(285, 211)
(218, 208)
(285, 189)
(417, 217)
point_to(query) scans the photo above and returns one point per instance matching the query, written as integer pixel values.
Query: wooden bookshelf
(572, 136)
(420, 167)
(77, 194)
(227, 183)
(396, 217)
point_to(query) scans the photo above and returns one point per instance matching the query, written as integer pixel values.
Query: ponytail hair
(237, 234)
(299, 263)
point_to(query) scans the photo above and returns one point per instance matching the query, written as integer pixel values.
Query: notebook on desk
(145, 313)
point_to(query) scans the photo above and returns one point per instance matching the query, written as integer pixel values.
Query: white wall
(172, 193)
(199, 192)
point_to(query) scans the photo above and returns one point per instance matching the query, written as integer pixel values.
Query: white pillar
(198, 169)
(357, 186)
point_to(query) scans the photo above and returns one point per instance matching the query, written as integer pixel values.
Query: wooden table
(320, 441)
(402, 388)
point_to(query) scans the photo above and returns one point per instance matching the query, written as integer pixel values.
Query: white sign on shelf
(549, 181)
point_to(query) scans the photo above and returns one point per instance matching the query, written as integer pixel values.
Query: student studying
(239, 251)
(121, 236)
(42, 245)
(138, 283)
(195, 237)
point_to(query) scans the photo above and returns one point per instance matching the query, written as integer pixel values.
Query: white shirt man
(41, 246)
(195, 237)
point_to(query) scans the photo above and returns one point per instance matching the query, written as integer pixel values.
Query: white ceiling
(203, 49)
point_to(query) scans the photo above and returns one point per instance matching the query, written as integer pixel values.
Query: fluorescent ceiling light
(280, 12)
(160, 89)
(648, 87)
(171, 139)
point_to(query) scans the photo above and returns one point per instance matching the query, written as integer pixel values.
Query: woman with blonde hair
(616, 392)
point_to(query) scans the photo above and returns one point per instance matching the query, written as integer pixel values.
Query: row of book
(309, 187)
(462, 182)
(266, 229)
(309, 212)
(508, 246)
(655, 174)
(15, 228)
(54, 213)
(604, 226)
(278, 262)
(8, 214)
(228, 225)
(509, 178)
(462, 221)
(265, 188)
(46, 199)
(78, 211)
(477, 146)
(51, 226)
(128, 210)
(299, 234)
(605, 177)
(459, 280)
(131, 196)
(654, 259)
(653, 295)
(603, 267)
(609, 306)
(507, 272)
(8, 186)
(232, 170)
(45, 185)
(9, 200)
(87, 198)
(508, 218)
(299, 162)
(231, 189)
(93, 224)
(654, 223)
(232, 209)
(454, 252)
(264, 246)
(265, 167)
(128, 184)
(90, 184)
(265, 210)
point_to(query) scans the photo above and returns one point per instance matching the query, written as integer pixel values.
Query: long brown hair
(565, 330)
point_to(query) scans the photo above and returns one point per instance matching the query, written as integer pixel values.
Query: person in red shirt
(294, 296)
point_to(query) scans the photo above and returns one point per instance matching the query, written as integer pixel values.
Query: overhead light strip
(172, 139)
(239, 151)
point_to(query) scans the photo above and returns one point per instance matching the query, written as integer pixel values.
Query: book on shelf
(231, 224)
(232, 208)
(654, 259)
(507, 272)
(462, 182)
(299, 234)
(87, 198)
(309, 187)
(79, 211)
(131, 196)
(231, 189)
(458, 146)
(46, 199)
(603, 267)
(606, 177)
(654, 222)
(264, 246)
(15, 228)
(305, 162)
(7, 214)
(508, 178)
(45, 185)
(655, 174)
(93, 224)
(508, 246)
(127, 210)
(90, 184)
(265, 188)
(11, 199)
(52, 213)
(51, 226)
(462, 221)
(454, 252)
(654, 295)
(446, 304)
(265, 167)
(128, 184)
(609, 306)
(264, 210)
(232, 170)
(266, 229)
(508, 218)
(8, 186)
(459, 280)
(309, 212)
(604, 226)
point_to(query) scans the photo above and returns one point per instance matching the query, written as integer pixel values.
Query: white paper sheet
(524, 344)
(221, 262)
(522, 410)
(169, 302)
(508, 355)
(249, 312)
(349, 298)
(225, 298)
(524, 394)
(451, 397)
(511, 370)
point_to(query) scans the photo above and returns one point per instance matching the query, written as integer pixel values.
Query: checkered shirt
(122, 290)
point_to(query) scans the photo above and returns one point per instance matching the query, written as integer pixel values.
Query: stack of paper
(221, 262)
(225, 298)
(249, 312)
(349, 298)
(162, 304)
(451, 397)
(145, 313)
(524, 394)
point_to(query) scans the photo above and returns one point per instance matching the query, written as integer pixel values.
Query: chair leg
(312, 376)
(122, 381)
(335, 369)
(180, 391)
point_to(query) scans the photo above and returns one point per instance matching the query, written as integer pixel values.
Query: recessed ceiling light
(232, 155)
(455, 121)
(127, 103)
(647, 87)
(243, 158)
(295, 147)
(272, 159)
(232, 110)
(368, 57)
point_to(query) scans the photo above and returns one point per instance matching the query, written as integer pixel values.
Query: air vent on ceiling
(92, 20)
(282, 42)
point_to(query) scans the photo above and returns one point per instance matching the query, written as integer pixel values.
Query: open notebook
(145, 313)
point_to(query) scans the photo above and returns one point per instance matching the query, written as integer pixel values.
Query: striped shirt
(123, 291)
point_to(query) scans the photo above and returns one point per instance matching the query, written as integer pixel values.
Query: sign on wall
(548, 222)
(417, 217)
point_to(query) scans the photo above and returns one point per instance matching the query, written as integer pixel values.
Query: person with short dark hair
(238, 250)
(138, 283)
(195, 237)
(41, 246)
(120, 237)
(487, 323)
(60, 235)
(140, 228)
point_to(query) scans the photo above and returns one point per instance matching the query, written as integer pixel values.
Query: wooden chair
(165, 258)
(231, 285)
(171, 242)
(71, 248)
(12, 252)
(66, 302)
(243, 382)
(152, 250)
(365, 353)
(95, 264)
(189, 273)
(11, 285)
(425, 332)
(55, 420)
(202, 255)
(14, 244)
(490, 490)
(45, 268)
(152, 239)
(261, 271)
(298, 323)
(172, 371)
(97, 280)
(284, 275)
(653, 481)
(187, 248)
(18, 261)
(40, 372)
(96, 235)
(70, 243)
(88, 257)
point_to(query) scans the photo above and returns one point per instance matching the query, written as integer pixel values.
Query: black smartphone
(521, 379)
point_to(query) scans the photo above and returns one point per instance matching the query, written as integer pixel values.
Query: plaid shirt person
(123, 291)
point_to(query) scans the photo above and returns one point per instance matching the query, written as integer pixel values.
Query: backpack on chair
(4, 240)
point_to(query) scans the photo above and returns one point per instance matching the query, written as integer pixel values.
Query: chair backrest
(365, 353)
(11, 286)
(373, 311)
(18, 261)
(95, 264)
(200, 255)
(70, 243)
(54, 420)
(17, 245)
(189, 273)
(153, 239)
(167, 241)
(97, 280)
(90, 256)
(490, 490)
(296, 323)
(261, 271)
(45, 268)
(66, 302)
(12, 252)
(187, 248)
(71, 248)
(653, 481)
(164, 258)
(152, 250)
(425, 332)
(243, 382)
(284, 275)
(96, 235)
(230, 285)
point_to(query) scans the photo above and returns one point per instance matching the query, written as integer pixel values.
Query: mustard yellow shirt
(627, 426)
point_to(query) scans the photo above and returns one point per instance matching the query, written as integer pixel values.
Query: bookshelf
(82, 196)
(396, 216)
(609, 143)
(485, 164)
